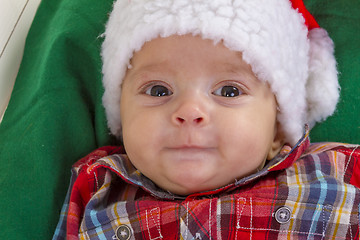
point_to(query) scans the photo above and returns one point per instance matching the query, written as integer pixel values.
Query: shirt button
(123, 232)
(283, 215)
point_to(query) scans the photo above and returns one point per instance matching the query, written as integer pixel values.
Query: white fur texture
(322, 86)
(271, 35)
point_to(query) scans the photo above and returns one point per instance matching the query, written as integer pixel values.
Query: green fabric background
(55, 114)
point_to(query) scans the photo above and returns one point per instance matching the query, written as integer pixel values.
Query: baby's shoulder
(338, 160)
(95, 155)
(322, 148)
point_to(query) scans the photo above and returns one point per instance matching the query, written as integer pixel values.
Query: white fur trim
(271, 35)
(322, 87)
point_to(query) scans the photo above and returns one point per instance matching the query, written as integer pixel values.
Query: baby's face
(194, 116)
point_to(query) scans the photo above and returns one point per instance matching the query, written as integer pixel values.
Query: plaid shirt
(307, 192)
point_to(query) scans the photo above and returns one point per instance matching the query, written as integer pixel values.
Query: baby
(213, 101)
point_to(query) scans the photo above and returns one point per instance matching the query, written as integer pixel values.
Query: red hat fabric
(309, 19)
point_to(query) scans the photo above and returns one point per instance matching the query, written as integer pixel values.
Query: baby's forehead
(179, 53)
(164, 51)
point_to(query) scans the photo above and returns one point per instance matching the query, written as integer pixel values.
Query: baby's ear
(277, 143)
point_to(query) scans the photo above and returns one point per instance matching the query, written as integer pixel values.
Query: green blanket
(55, 114)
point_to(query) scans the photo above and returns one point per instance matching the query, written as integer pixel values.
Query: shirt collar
(121, 165)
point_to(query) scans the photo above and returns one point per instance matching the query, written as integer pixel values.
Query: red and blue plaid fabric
(307, 192)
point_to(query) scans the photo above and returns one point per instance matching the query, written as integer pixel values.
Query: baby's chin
(186, 191)
(189, 186)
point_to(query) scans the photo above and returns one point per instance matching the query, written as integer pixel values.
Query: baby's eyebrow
(153, 70)
(244, 71)
(230, 67)
(154, 67)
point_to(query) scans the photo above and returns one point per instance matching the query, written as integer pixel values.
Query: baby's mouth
(190, 152)
(184, 146)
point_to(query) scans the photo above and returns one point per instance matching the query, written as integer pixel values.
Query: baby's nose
(183, 120)
(191, 112)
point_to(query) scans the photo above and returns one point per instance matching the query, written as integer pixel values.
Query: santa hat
(279, 39)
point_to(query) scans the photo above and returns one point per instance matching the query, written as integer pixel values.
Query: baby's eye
(227, 91)
(158, 91)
